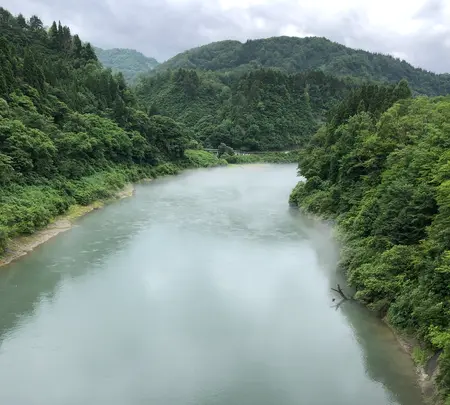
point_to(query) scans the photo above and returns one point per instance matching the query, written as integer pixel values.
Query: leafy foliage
(70, 131)
(272, 94)
(128, 61)
(380, 168)
(292, 55)
(201, 158)
(263, 109)
(264, 157)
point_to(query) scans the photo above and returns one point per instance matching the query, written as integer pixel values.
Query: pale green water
(202, 289)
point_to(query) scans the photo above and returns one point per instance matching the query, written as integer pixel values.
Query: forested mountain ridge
(70, 131)
(293, 54)
(128, 61)
(269, 94)
(263, 109)
(380, 169)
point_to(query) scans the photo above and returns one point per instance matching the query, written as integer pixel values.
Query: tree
(36, 23)
(224, 149)
(401, 91)
(171, 138)
(21, 22)
(88, 53)
(77, 46)
(7, 68)
(153, 110)
(32, 72)
(66, 38)
(6, 170)
(53, 36)
(120, 111)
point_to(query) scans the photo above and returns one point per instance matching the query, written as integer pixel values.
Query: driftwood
(343, 296)
(339, 290)
(337, 306)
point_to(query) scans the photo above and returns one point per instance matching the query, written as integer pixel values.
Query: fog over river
(203, 288)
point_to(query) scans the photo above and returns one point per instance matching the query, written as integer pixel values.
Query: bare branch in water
(341, 293)
(337, 306)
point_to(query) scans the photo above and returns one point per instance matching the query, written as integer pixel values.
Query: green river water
(203, 288)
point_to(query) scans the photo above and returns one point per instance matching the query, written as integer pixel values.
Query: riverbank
(268, 157)
(426, 363)
(427, 366)
(382, 180)
(20, 246)
(32, 215)
(64, 298)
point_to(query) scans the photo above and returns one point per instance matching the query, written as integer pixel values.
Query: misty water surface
(205, 288)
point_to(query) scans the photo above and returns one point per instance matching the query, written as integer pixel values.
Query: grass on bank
(25, 209)
(202, 158)
(269, 157)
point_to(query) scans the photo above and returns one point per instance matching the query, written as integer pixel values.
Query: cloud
(418, 30)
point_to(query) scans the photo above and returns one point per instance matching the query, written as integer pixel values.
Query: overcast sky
(415, 30)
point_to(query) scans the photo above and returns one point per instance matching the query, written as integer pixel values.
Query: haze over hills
(128, 61)
(293, 54)
(375, 159)
(269, 93)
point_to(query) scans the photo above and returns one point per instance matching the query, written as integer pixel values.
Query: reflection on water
(205, 288)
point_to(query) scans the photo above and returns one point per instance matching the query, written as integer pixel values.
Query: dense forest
(71, 131)
(380, 169)
(293, 55)
(128, 61)
(269, 94)
(375, 159)
(263, 109)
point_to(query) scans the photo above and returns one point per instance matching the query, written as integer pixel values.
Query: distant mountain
(128, 61)
(272, 94)
(293, 55)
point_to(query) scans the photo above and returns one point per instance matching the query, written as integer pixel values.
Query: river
(204, 288)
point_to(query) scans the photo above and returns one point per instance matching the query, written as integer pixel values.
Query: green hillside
(263, 109)
(380, 170)
(128, 61)
(292, 54)
(71, 131)
(269, 94)
(375, 159)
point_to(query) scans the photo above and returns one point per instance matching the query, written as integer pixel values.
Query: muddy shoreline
(24, 244)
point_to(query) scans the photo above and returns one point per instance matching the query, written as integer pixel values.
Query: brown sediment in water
(24, 244)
